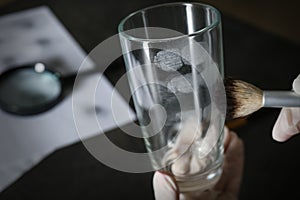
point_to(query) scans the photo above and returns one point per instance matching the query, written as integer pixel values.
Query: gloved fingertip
(296, 84)
(285, 126)
(279, 137)
(277, 132)
(165, 186)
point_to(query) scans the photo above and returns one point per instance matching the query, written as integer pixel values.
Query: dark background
(258, 48)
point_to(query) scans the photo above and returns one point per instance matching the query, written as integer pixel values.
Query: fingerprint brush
(244, 98)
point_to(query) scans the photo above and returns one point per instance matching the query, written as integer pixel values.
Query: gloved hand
(227, 188)
(288, 121)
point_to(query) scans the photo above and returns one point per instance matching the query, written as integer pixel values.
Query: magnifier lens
(29, 90)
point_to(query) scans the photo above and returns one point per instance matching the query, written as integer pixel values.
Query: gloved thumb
(165, 187)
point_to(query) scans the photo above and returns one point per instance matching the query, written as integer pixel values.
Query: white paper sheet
(37, 35)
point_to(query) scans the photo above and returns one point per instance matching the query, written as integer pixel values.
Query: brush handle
(280, 99)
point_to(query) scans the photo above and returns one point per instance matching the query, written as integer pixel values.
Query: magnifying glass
(31, 89)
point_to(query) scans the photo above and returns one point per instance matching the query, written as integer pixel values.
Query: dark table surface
(271, 169)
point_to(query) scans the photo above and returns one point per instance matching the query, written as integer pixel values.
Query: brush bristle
(242, 98)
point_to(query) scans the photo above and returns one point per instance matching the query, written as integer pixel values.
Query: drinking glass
(174, 62)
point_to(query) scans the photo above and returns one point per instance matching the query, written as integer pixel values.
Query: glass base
(200, 182)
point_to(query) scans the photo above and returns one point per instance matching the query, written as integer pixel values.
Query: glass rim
(132, 38)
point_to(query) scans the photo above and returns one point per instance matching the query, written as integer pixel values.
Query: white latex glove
(288, 121)
(227, 188)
